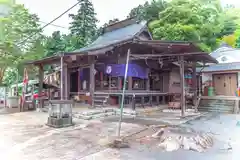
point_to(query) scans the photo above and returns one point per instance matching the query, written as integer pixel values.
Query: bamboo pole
(123, 93)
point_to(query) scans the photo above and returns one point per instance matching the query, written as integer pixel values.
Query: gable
(145, 35)
(116, 36)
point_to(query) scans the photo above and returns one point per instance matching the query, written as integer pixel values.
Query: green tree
(16, 44)
(61, 43)
(84, 22)
(200, 21)
(148, 11)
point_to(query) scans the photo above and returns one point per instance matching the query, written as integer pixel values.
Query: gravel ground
(24, 136)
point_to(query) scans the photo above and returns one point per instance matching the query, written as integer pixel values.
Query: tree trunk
(2, 71)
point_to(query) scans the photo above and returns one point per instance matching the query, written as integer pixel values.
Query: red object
(36, 95)
(25, 77)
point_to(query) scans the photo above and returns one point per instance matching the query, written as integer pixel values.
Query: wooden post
(133, 102)
(130, 83)
(109, 82)
(150, 100)
(119, 83)
(142, 101)
(158, 100)
(62, 79)
(101, 80)
(41, 76)
(163, 99)
(66, 81)
(148, 81)
(194, 86)
(92, 82)
(79, 80)
(182, 85)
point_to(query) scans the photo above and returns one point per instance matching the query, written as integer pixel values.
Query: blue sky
(47, 10)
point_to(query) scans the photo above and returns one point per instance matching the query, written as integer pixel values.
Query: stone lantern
(60, 113)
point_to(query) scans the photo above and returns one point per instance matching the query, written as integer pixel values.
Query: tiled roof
(220, 67)
(114, 37)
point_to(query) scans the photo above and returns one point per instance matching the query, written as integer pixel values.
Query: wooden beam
(159, 55)
(182, 85)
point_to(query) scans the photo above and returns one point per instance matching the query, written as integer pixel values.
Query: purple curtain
(134, 70)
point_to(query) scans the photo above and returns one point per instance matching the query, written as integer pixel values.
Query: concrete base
(59, 123)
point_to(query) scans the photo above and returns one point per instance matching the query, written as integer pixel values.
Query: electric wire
(49, 23)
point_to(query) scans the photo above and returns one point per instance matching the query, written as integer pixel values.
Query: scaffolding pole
(123, 93)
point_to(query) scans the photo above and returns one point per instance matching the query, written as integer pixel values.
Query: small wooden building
(224, 76)
(158, 70)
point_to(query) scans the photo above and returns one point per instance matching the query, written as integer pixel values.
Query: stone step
(224, 106)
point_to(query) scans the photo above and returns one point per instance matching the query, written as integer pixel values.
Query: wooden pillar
(142, 101)
(182, 85)
(92, 82)
(41, 77)
(101, 79)
(133, 102)
(130, 83)
(148, 80)
(150, 100)
(66, 81)
(109, 82)
(119, 83)
(194, 85)
(79, 80)
(163, 99)
(62, 78)
(158, 100)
